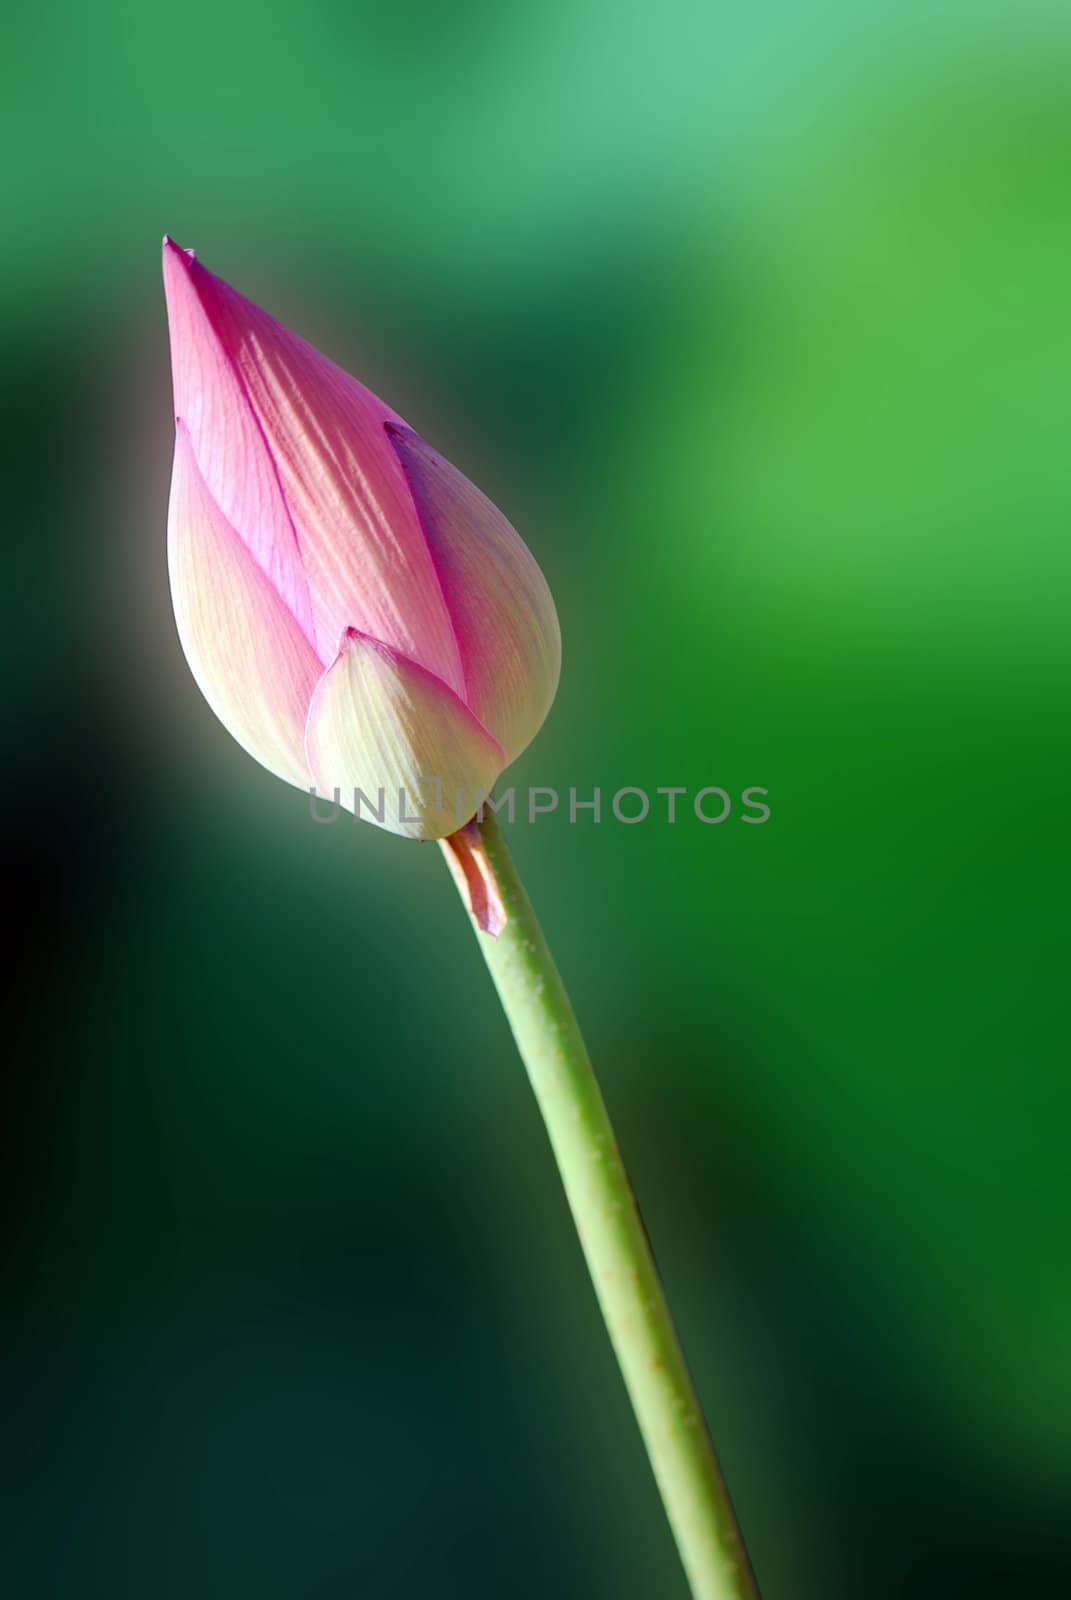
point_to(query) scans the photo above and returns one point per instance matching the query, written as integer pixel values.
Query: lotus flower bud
(356, 613)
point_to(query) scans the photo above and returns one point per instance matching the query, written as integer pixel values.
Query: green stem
(614, 1241)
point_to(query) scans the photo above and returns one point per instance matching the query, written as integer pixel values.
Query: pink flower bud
(356, 613)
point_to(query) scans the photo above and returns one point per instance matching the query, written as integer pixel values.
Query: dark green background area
(759, 331)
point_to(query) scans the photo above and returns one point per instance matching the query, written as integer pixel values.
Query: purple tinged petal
(502, 611)
(231, 448)
(295, 454)
(382, 724)
(245, 648)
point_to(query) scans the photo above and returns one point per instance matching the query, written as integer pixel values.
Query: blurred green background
(757, 325)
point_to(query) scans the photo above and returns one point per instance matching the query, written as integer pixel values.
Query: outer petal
(503, 613)
(382, 724)
(294, 451)
(228, 441)
(251, 661)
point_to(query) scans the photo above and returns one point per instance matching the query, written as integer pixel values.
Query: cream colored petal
(249, 656)
(381, 724)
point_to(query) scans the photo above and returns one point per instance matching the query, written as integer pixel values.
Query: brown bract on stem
(466, 856)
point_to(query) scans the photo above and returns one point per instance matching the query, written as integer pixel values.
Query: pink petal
(229, 443)
(294, 451)
(382, 724)
(502, 611)
(251, 661)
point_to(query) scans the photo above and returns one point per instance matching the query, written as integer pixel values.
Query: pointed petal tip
(350, 637)
(178, 271)
(172, 249)
(184, 443)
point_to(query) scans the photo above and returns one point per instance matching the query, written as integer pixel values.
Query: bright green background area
(758, 329)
